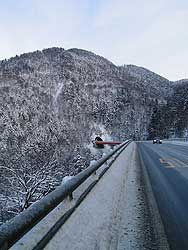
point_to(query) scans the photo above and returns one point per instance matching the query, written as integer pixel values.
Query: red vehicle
(99, 143)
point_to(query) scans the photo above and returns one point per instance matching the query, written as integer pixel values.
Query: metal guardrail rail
(13, 230)
(177, 139)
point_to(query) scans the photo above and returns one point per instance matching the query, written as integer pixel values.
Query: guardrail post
(94, 173)
(70, 196)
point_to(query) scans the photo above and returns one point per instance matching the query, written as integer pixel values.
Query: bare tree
(27, 185)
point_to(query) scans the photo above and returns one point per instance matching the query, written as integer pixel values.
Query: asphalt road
(113, 215)
(167, 167)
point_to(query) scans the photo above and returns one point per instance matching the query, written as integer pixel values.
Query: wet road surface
(167, 168)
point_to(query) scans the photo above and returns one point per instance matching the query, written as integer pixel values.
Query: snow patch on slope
(57, 93)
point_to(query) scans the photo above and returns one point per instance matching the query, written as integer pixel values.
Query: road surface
(120, 212)
(167, 167)
(115, 215)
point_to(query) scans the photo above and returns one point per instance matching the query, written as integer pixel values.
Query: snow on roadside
(110, 216)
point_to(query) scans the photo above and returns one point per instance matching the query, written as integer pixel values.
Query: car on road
(157, 140)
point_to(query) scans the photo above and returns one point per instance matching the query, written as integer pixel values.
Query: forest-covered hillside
(171, 119)
(53, 104)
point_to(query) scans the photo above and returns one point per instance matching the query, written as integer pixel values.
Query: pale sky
(148, 33)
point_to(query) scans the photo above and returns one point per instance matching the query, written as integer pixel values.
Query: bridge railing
(177, 139)
(13, 230)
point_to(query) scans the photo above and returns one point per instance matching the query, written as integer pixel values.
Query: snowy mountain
(182, 81)
(53, 104)
(171, 119)
(149, 79)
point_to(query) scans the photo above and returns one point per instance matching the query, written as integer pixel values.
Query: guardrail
(13, 230)
(177, 139)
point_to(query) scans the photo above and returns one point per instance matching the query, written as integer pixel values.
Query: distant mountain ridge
(182, 81)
